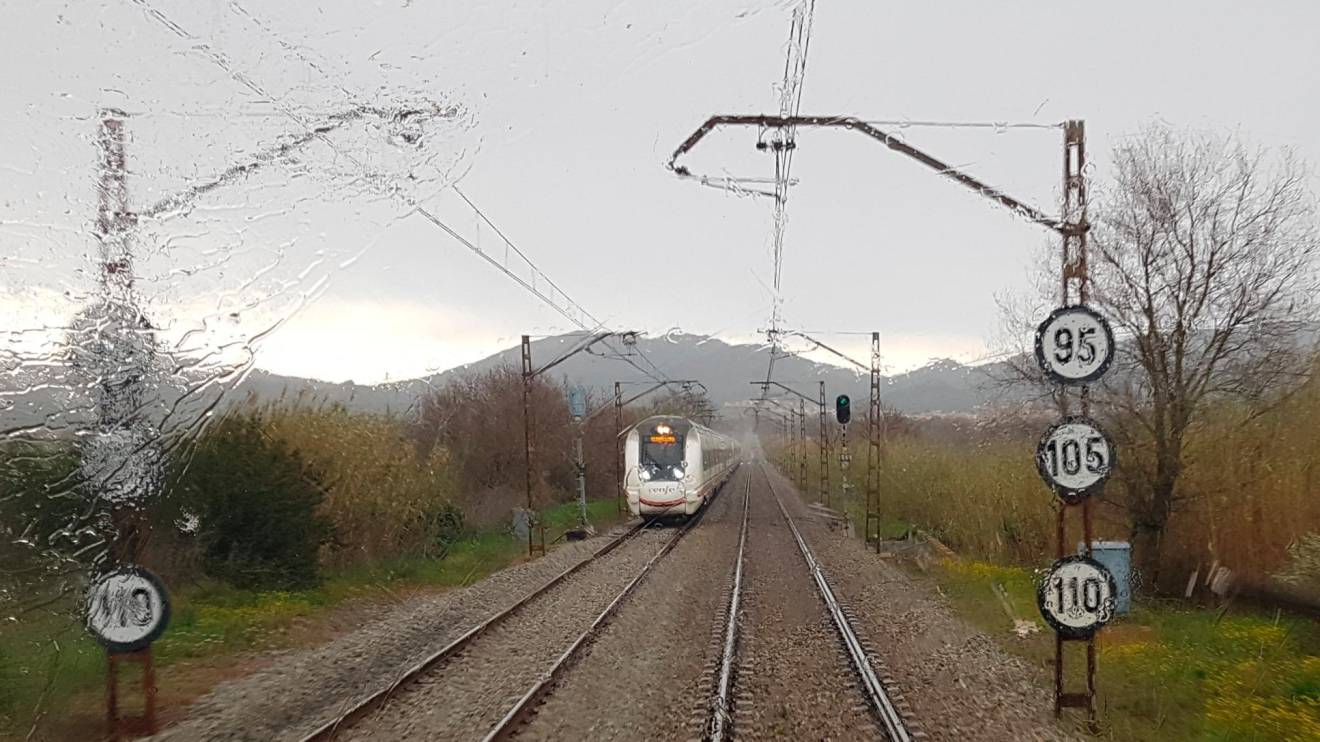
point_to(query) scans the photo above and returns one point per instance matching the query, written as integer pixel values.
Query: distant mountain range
(726, 370)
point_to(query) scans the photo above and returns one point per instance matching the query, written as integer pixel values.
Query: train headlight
(678, 472)
(644, 475)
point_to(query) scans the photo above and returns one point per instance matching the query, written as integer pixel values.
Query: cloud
(372, 341)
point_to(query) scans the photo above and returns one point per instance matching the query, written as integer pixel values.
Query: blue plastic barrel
(1116, 556)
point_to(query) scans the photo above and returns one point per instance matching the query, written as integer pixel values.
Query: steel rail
(516, 715)
(721, 718)
(350, 717)
(893, 723)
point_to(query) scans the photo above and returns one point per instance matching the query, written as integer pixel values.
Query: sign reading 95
(1074, 345)
(1074, 457)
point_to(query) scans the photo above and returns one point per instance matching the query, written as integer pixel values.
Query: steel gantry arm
(822, 436)
(590, 340)
(685, 383)
(822, 346)
(790, 390)
(894, 143)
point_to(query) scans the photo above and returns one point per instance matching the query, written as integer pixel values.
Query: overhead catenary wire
(790, 103)
(584, 319)
(910, 123)
(510, 244)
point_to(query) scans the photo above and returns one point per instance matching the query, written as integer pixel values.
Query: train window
(660, 454)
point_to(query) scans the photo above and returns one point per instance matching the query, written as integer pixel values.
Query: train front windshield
(662, 456)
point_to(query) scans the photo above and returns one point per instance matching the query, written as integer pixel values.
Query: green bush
(46, 516)
(256, 506)
(384, 498)
(445, 524)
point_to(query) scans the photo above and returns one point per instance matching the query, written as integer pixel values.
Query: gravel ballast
(303, 689)
(958, 683)
(646, 676)
(793, 679)
(466, 695)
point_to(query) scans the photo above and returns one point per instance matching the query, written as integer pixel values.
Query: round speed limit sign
(1077, 596)
(1074, 457)
(1074, 345)
(127, 609)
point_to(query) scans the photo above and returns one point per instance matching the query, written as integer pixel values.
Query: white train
(671, 465)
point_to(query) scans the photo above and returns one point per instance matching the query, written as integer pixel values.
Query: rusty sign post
(127, 610)
(1074, 346)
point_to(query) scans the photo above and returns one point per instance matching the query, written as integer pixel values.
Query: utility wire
(790, 103)
(219, 60)
(909, 123)
(582, 311)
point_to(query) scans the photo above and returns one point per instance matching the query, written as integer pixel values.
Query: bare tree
(1202, 257)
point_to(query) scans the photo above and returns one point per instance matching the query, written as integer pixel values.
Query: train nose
(662, 494)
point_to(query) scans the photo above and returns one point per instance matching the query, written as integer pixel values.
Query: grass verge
(52, 673)
(1167, 671)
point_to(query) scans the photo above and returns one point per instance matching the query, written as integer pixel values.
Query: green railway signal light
(843, 409)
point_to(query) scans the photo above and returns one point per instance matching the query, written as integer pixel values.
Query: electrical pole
(802, 446)
(620, 498)
(1075, 280)
(824, 436)
(786, 428)
(873, 450)
(802, 433)
(115, 351)
(114, 346)
(529, 448)
(529, 375)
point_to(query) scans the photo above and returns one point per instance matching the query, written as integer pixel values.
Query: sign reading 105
(1074, 457)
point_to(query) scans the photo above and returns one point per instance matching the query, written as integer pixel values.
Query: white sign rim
(147, 637)
(1044, 362)
(1072, 495)
(1069, 630)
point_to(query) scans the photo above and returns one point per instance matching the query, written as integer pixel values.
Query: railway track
(721, 713)
(347, 723)
(719, 726)
(526, 705)
(351, 716)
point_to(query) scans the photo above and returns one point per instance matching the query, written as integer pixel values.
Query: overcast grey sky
(568, 110)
